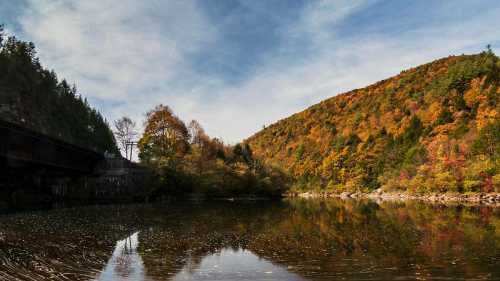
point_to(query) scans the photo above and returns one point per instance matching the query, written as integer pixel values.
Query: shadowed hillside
(435, 127)
(33, 97)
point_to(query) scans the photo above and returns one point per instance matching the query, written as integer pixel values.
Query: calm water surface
(290, 240)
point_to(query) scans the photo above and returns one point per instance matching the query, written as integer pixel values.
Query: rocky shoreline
(478, 198)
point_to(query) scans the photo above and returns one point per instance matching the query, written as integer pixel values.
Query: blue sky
(238, 65)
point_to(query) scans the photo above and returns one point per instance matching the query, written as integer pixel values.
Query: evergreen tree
(33, 97)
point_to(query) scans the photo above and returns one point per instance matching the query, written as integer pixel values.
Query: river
(288, 240)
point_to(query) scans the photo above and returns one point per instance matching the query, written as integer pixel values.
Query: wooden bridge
(22, 148)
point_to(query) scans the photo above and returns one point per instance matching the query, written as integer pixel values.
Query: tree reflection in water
(295, 240)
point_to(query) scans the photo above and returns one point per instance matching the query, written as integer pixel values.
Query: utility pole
(131, 144)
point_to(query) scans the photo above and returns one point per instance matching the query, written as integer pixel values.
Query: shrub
(419, 184)
(415, 155)
(445, 182)
(299, 152)
(496, 182)
(471, 185)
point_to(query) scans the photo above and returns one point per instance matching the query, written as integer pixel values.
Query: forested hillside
(435, 127)
(32, 96)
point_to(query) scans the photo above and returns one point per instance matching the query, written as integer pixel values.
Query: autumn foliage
(189, 162)
(433, 128)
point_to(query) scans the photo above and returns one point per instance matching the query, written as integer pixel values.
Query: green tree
(33, 97)
(165, 138)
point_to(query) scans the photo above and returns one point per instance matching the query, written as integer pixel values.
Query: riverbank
(479, 198)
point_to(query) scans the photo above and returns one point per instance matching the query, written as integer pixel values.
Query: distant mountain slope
(435, 127)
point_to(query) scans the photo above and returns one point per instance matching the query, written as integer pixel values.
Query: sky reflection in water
(125, 263)
(291, 240)
(227, 265)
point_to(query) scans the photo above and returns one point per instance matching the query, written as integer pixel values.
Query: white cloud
(134, 55)
(319, 19)
(278, 90)
(122, 52)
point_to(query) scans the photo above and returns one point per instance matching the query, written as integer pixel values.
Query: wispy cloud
(337, 63)
(125, 53)
(320, 19)
(129, 55)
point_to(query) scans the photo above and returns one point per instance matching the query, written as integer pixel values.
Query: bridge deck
(24, 148)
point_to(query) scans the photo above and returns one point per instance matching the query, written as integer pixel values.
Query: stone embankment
(481, 198)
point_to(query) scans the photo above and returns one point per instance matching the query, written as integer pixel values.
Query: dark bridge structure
(25, 149)
(38, 168)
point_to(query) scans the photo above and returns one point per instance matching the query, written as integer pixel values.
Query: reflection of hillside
(317, 239)
(363, 239)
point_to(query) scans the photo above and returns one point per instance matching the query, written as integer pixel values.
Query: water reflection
(230, 264)
(292, 240)
(125, 263)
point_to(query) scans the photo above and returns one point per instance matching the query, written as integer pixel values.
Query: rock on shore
(482, 198)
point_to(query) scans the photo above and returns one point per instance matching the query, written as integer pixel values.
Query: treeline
(433, 128)
(32, 96)
(188, 161)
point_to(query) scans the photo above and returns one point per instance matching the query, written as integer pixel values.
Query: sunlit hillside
(435, 127)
